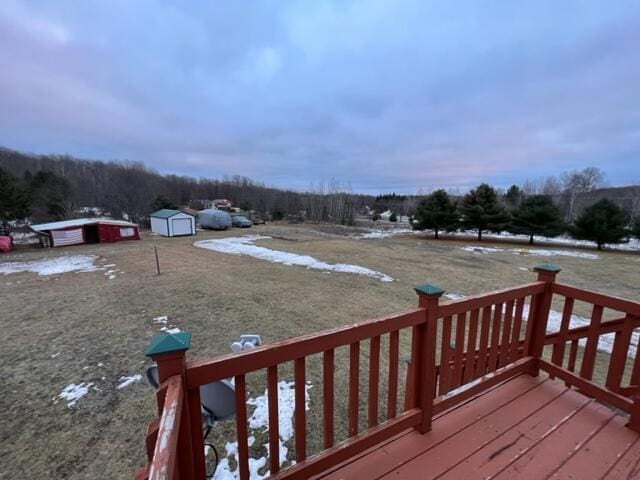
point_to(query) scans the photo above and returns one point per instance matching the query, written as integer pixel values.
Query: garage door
(181, 226)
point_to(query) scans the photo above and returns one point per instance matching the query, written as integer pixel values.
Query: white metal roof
(78, 222)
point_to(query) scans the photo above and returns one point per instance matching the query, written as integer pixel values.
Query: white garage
(172, 223)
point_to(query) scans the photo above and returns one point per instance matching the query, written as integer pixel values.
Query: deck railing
(458, 349)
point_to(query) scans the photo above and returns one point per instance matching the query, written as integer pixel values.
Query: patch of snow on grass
(72, 393)
(171, 330)
(454, 296)
(126, 381)
(260, 420)
(161, 319)
(376, 234)
(531, 251)
(244, 246)
(52, 266)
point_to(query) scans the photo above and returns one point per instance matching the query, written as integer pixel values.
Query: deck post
(424, 363)
(168, 351)
(541, 306)
(634, 418)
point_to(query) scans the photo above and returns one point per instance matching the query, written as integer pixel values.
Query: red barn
(87, 230)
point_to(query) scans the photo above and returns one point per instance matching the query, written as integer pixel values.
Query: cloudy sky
(383, 95)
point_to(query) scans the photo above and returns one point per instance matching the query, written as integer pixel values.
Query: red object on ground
(6, 245)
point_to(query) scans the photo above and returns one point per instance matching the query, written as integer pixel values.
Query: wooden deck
(528, 427)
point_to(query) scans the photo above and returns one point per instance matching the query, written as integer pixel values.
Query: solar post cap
(169, 343)
(429, 290)
(547, 267)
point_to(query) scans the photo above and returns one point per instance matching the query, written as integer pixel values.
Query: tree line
(482, 210)
(57, 187)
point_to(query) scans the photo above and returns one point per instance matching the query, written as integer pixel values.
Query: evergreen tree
(481, 211)
(162, 202)
(393, 218)
(603, 222)
(14, 199)
(636, 228)
(537, 215)
(437, 212)
(513, 197)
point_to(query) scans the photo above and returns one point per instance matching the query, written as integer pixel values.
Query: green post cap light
(169, 343)
(548, 267)
(429, 290)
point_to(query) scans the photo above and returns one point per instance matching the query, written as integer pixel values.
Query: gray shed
(172, 223)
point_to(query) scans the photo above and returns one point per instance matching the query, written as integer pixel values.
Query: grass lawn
(83, 327)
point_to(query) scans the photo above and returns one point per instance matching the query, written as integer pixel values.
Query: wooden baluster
(505, 343)
(635, 373)
(300, 406)
(458, 354)
(327, 397)
(445, 355)
(557, 357)
(241, 427)
(495, 337)
(470, 361)
(374, 375)
(481, 364)
(517, 326)
(528, 334)
(589, 355)
(354, 387)
(619, 354)
(392, 400)
(542, 306)
(573, 353)
(274, 426)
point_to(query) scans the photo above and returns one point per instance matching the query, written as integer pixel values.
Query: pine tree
(537, 215)
(636, 229)
(14, 199)
(393, 218)
(513, 197)
(481, 211)
(51, 195)
(603, 222)
(437, 212)
(162, 202)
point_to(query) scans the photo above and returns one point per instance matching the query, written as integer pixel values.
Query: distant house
(172, 223)
(86, 230)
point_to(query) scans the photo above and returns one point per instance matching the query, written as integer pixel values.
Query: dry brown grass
(88, 319)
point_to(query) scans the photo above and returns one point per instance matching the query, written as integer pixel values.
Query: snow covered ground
(125, 381)
(72, 393)
(244, 246)
(632, 245)
(259, 421)
(52, 266)
(530, 251)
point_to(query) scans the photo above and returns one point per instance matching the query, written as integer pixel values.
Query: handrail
(607, 301)
(163, 465)
(205, 371)
(455, 307)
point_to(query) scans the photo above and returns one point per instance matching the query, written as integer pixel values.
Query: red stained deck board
(628, 466)
(502, 434)
(499, 453)
(437, 460)
(558, 447)
(601, 453)
(393, 454)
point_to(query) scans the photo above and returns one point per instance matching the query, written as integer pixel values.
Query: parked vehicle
(214, 219)
(240, 221)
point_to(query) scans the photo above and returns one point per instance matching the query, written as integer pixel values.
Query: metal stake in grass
(155, 249)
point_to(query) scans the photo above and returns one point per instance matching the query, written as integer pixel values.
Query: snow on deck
(52, 266)
(244, 246)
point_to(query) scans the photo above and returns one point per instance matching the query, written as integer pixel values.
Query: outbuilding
(173, 223)
(86, 230)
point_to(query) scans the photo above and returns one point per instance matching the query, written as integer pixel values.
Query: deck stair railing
(459, 348)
